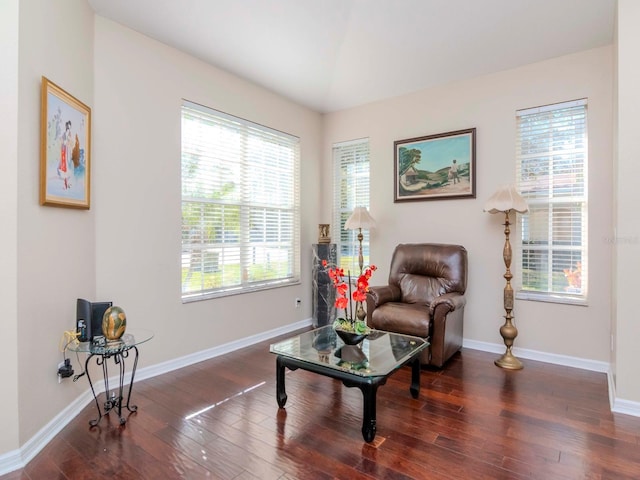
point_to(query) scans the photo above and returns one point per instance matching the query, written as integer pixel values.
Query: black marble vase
(324, 293)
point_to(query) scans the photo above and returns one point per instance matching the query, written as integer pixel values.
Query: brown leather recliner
(424, 298)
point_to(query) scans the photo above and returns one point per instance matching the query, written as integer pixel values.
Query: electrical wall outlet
(298, 302)
(65, 369)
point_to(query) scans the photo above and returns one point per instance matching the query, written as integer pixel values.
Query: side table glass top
(131, 338)
(378, 355)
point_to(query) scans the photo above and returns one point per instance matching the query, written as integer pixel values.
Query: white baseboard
(619, 405)
(556, 359)
(626, 406)
(36, 443)
(19, 458)
(10, 461)
(176, 363)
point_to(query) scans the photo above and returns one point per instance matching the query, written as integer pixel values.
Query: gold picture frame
(65, 149)
(435, 167)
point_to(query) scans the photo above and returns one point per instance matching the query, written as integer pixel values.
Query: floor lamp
(359, 219)
(504, 200)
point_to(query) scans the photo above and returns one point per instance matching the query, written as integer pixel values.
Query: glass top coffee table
(366, 365)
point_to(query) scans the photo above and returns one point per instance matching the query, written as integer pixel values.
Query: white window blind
(351, 189)
(240, 205)
(552, 177)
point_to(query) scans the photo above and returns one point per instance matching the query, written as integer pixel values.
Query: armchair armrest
(453, 301)
(383, 294)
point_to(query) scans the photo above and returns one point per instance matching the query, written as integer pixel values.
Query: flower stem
(351, 317)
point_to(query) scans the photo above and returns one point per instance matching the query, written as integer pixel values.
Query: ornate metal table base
(114, 398)
(368, 386)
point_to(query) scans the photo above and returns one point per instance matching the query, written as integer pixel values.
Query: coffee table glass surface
(377, 355)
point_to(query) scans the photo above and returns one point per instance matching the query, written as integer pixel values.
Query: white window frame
(255, 218)
(559, 208)
(351, 186)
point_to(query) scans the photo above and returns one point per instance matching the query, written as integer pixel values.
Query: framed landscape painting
(65, 154)
(435, 167)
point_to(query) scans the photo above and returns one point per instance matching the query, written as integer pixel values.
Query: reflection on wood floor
(219, 419)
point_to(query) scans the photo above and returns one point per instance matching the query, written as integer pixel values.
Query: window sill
(238, 291)
(551, 298)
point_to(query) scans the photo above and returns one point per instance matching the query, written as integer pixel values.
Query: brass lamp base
(508, 331)
(509, 362)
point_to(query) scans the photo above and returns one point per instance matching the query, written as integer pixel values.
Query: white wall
(627, 262)
(56, 247)
(139, 87)
(127, 247)
(489, 104)
(9, 440)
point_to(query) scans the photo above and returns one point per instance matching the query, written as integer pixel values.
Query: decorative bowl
(351, 338)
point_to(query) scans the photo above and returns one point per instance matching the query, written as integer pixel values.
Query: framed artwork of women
(65, 149)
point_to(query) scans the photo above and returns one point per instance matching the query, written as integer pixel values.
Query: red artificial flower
(342, 302)
(359, 296)
(343, 289)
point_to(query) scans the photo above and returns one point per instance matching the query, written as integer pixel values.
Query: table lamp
(359, 219)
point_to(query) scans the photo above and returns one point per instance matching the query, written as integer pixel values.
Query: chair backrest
(424, 271)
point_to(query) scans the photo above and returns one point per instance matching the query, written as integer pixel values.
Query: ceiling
(335, 54)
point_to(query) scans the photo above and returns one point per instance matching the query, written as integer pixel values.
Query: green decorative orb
(114, 323)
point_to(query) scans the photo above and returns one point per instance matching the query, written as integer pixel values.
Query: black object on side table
(119, 352)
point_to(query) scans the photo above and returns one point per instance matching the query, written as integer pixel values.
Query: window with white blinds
(351, 189)
(552, 176)
(240, 205)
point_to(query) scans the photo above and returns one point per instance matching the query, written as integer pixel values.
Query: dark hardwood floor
(219, 419)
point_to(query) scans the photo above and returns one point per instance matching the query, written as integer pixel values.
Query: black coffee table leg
(415, 378)
(369, 415)
(367, 385)
(281, 394)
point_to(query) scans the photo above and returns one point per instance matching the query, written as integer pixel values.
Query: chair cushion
(410, 319)
(424, 271)
(420, 290)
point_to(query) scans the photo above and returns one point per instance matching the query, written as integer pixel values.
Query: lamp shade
(506, 198)
(360, 218)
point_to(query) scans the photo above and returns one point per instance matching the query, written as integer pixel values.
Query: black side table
(119, 351)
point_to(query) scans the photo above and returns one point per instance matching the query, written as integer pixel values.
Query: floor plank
(219, 419)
